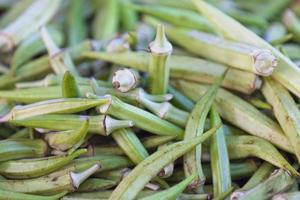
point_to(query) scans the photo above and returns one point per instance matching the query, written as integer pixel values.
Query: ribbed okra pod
(219, 157)
(188, 68)
(240, 113)
(135, 181)
(279, 181)
(194, 128)
(285, 110)
(51, 184)
(234, 54)
(98, 124)
(11, 149)
(36, 15)
(287, 73)
(36, 167)
(159, 69)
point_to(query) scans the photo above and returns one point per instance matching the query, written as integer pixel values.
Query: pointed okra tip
(160, 45)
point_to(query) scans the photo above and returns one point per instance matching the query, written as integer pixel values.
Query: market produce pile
(149, 99)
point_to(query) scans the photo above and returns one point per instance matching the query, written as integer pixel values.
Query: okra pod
(292, 23)
(94, 184)
(275, 32)
(21, 196)
(125, 80)
(129, 17)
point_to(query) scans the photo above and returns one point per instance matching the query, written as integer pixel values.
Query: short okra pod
(51, 184)
(262, 173)
(195, 127)
(98, 124)
(238, 55)
(285, 110)
(65, 140)
(239, 113)
(280, 180)
(185, 67)
(159, 69)
(173, 192)
(125, 80)
(37, 14)
(245, 146)
(69, 105)
(22, 148)
(286, 72)
(60, 61)
(219, 157)
(135, 181)
(140, 118)
(36, 167)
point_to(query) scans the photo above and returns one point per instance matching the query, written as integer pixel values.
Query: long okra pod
(195, 127)
(188, 68)
(240, 113)
(287, 73)
(285, 110)
(36, 167)
(219, 157)
(135, 181)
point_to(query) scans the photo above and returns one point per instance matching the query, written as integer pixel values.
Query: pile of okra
(149, 99)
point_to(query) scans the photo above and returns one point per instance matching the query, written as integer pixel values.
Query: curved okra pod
(67, 139)
(280, 180)
(285, 110)
(184, 67)
(287, 72)
(4, 194)
(69, 86)
(22, 148)
(287, 196)
(239, 113)
(175, 16)
(238, 55)
(125, 80)
(135, 181)
(94, 184)
(51, 184)
(36, 167)
(219, 157)
(262, 173)
(195, 127)
(37, 14)
(159, 69)
(173, 192)
(99, 124)
(244, 146)
(140, 118)
(60, 61)
(68, 105)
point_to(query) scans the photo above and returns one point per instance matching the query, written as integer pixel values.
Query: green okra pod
(188, 68)
(135, 181)
(219, 157)
(11, 149)
(287, 73)
(273, 8)
(158, 69)
(234, 54)
(65, 140)
(285, 110)
(173, 192)
(292, 23)
(98, 124)
(140, 118)
(37, 14)
(4, 195)
(245, 146)
(36, 167)
(195, 127)
(51, 184)
(279, 181)
(239, 113)
(69, 105)
(77, 29)
(69, 86)
(94, 184)
(262, 173)
(129, 17)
